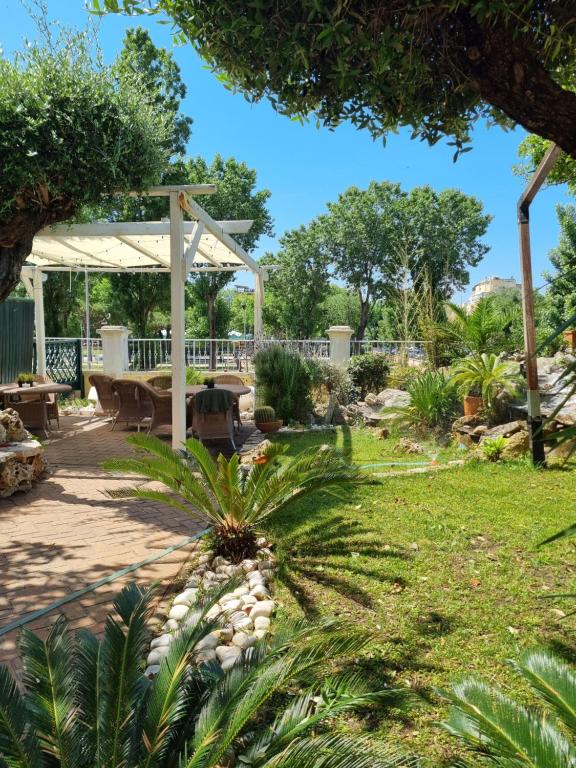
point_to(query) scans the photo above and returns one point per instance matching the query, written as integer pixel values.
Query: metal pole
(534, 415)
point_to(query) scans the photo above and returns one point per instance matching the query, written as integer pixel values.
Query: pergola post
(177, 318)
(258, 301)
(38, 293)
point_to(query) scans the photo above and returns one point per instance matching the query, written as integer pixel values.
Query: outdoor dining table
(236, 389)
(48, 388)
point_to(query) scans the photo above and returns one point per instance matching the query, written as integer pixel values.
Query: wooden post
(258, 301)
(534, 415)
(177, 319)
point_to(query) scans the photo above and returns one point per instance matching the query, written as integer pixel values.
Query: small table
(236, 389)
(48, 388)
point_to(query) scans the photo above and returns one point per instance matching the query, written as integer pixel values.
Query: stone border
(246, 611)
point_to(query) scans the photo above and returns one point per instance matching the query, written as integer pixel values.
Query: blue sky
(305, 167)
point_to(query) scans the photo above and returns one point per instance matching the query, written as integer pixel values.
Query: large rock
(20, 464)
(505, 430)
(516, 446)
(393, 398)
(12, 423)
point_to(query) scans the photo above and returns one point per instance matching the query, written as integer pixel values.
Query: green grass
(444, 569)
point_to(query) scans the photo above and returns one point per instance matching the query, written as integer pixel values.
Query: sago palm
(475, 331)
(221, 492)
(87, 704)
(510, 735)
(433, 402)
(486, 374)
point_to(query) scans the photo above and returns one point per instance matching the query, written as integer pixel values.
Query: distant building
(489, 287)
(243, 289)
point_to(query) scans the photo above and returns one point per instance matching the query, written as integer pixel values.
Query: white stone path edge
(246, 610)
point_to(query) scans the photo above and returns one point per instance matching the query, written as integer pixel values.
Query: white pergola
(179, 247)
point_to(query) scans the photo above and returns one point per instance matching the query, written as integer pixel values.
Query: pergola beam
(137, 228)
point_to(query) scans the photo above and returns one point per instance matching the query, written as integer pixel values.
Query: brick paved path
(67, 533)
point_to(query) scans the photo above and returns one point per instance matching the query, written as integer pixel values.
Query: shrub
(433, 403)
(283, 381)
(401, 375)
(369, 373)
(332, 378)
(193, 376)
(487, 376)
(492, 447)
(264, 414)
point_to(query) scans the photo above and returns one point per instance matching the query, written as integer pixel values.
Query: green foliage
(264, 414)
(532, 150)
(193, 376)
(86, 703)
(507, 734)
(433, 402)
(232, 501)
(369, 373)
(331, 378)
(562, 289)
(70, 131)
(401, 375)
(477, 331)
(26, 377)
(486, 376)
(492, 447)
(283, 381)
(436, 68)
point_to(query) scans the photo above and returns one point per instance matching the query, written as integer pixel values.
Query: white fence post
(340, 336)
(114, 349)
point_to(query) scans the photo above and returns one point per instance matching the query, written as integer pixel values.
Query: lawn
(443, 567)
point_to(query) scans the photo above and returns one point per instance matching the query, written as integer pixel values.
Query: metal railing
(399, 352)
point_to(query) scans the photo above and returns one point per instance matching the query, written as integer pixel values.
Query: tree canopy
(435, 66)
(70, 130)
(561, 292)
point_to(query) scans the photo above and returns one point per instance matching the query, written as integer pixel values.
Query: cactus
(264, 414)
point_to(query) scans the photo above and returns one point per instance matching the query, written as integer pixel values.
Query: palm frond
(49, 677)
(19, 747)
(553, 681)
(563, 534)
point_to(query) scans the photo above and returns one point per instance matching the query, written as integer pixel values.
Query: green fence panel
(16, 338)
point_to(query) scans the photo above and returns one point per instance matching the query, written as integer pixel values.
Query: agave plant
(433, 401)
(486, 374)
(510, 735)
(87, 704)
(220, 492)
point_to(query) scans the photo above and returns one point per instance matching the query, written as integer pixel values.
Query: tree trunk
(510, 77)
(211, 330)
(17, 234)
(363, 322)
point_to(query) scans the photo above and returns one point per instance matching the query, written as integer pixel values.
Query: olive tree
(434, 65)
(70, 131)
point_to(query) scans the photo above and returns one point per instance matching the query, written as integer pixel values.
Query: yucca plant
(433, 401)
(509, 735)
(87, 704)
(486, 375)
(221, 493)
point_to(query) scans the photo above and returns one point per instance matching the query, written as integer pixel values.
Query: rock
(13, 426)
(155, 656)
(228, 597)
(161, 641)
(261, 541)
(248, 600)
(259, 634)
(226, 633)
(392, 398)
(203, 657)
(186, 598)
(249, 565)
(194, 581)
(228, 663)
(263, 608)
(466, 423)
(241, 591)
(242, 622)
(177, 612)
(265, 566)
(170, 625)
(405, 445)
(243, 640)
(260, 592)
(214, 612)
(3, 435)
(256, 578)
(227, 651)
(372, 399)
(231, 606)
(209, 642)
(261, 622)
(516, 446)
(505, 430)
(480, 430)
(204, 559)
(152, 670)
(219, 561)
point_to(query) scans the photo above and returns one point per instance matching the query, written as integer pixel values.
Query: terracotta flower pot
(260, 460)
(472, 404)
(269, 426)
(570, 337)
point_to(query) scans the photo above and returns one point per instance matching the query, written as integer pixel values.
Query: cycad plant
(505, 733)
(486, 375)
(433, 401)
(476, 331)
(87, 704)
(221, 493)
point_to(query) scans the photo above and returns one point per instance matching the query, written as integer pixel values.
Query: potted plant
(481, 378)
(25, 379)
(265, 419)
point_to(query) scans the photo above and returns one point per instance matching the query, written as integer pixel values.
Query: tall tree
(296, 289)
(70, 131)
(562, 289)
(436, 66)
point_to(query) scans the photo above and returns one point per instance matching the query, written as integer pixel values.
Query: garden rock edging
(246, 610)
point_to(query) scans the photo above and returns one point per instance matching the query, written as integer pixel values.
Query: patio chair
(34, 414)
(106, 396)
(161, 404)
(132, 408)
(213, 417)
(160, 382)
(230, 378)
(51, 399)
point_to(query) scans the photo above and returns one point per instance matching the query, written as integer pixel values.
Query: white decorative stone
(260, 592)
(263, 608)
(152, 670)
(194, 580)
(261, 622)
(240, 591)
(255, 578)
(226, 633)
(227, 651)
(161, 641)
(248, 600)
(177, 612)
(155, 656)
(260, 633)
(243, 640)
(227, 597)
(231, 606)
(261, 542)
(214, 612)
(205, 656)
(170, 625)
(241, 622)
(219, 561)
(186, 598)
(249, 565)
(209, 642)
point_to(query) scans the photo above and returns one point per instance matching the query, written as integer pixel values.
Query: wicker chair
(212, 426)
(132, 408)
(230, 378)
(50, 398)
(160, 382)
(106, 397)
(34, 414)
